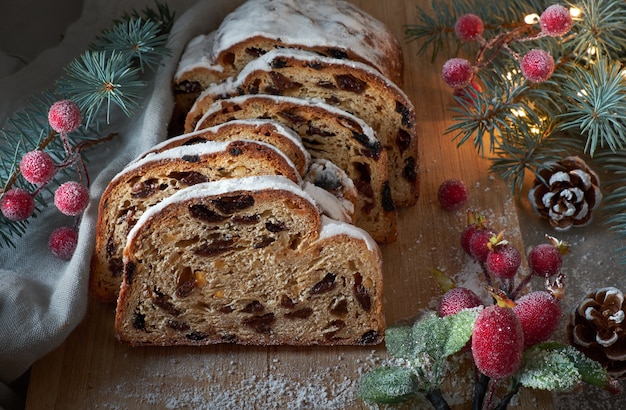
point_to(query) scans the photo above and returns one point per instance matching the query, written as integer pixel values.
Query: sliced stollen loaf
(328, 133)
(195, 275)
(318, 173)
(270, 132)
(145, 182)
(334, 28)
(351, 86)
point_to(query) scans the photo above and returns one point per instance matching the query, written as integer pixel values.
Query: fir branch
(139, 39)
(161, 15)
(519, 152)
(435, 27)
(596, 105)
(601, 29)
(97, 77)
(484, 119)
(93, 80)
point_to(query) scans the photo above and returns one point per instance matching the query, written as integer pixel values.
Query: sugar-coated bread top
(244, 123)
(198, 54)
(334, 24)
(267, 62)
(254, 183)
(332, 227)
(220, 187)
(366, 129)
(210, 147)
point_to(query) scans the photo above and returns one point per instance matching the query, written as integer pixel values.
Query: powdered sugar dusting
(198, 385)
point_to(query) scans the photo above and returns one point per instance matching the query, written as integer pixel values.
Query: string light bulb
(531, 18)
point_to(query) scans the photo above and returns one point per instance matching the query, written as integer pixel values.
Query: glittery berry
(469, 27)
(452, 194)
(17, 204)
(63, 242)
(555, 20)
(479, 244)
(457, 72)
(539, 314)
(475, 222)
(71, 198)
(37, 167)
(64, 116)
(545, 260)
(457, 299)
(503, 261)
(497, 342)
(537, 65)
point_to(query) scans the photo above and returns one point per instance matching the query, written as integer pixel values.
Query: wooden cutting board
(92, 370)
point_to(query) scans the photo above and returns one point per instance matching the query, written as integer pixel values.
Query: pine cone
(597, 327)
(571, 193)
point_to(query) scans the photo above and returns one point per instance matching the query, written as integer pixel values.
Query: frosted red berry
(457, 72)
(537, 65)
(64, 116)
(37, 167)
(71, 198)
(539, 314)
(17, 204)
(469, 27)
(457, 299)
(556, 20)
(545, 260)
(62, 242)
(453, 194)
(497, 342)
(466, 236)
(475, 223)
(479, 244)
(503, 261)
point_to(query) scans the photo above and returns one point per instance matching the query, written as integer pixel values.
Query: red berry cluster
(503, 330)
(537, 65)
(38, 168)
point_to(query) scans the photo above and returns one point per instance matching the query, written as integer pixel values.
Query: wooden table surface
(92, 370)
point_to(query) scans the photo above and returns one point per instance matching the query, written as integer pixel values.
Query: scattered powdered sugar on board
(199, 386)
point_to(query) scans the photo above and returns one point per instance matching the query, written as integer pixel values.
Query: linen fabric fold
(42, 298)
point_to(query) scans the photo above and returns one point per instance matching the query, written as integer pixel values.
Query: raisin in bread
(145, 182)
(270, 132)
(334, 28)
(248, 261)
(333, 134)
(351, 86)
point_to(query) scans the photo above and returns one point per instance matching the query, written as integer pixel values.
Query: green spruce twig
(520, 125)
(97, 80)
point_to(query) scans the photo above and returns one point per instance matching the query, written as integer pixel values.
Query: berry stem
(487, 274)
(504, 402)
(509, 286)
(498, 43)
(436, 399)
(66, 143)
(492, 389)
(525, 281)
(480, 389)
